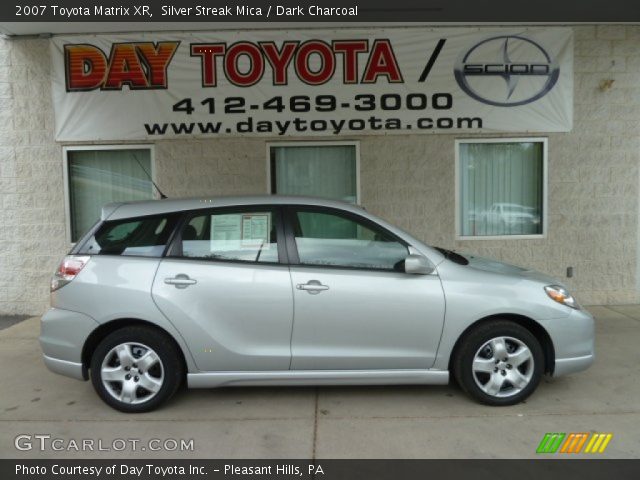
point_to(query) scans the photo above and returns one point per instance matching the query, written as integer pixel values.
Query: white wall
(593, 177)
(32, 221)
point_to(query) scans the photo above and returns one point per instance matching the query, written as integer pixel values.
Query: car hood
(494, 266)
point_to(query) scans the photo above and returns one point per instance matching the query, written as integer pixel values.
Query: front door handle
(180, 281)
(312, 286)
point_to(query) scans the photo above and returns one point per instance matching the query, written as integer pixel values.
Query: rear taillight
(68, 270)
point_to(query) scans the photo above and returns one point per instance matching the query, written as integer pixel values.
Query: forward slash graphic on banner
(574, 442)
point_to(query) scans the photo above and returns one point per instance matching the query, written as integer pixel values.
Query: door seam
(293, 317)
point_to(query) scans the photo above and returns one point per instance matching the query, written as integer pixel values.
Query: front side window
(331, 239)
(144, 236)
(236, 236)
(501, 188)
(97, 177)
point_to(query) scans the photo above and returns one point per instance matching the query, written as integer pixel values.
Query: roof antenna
(162, 195)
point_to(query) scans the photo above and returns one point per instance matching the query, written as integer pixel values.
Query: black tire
(477, 338)
(170, 365)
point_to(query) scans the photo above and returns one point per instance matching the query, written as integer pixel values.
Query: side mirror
(417, 265)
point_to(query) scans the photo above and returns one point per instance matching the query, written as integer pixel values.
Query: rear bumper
(63, 334)
(66, 368)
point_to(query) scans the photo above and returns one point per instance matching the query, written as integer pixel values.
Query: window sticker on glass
(255, 229)
(226, 227)
(244, 230)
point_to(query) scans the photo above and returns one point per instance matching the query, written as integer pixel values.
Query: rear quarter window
(143, 236)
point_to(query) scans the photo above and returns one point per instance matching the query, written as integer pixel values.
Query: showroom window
(328, 169)
(501, 188)
(96, 176)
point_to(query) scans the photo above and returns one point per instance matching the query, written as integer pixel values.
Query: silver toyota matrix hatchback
(296, 291)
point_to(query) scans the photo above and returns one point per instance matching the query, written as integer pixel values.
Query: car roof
(121, 210)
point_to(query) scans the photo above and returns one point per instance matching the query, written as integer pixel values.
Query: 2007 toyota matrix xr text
(276, 290)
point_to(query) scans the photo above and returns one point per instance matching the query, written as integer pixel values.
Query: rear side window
(144, 236)
(235, 236)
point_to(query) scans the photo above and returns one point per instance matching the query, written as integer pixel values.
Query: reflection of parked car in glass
(511, 219)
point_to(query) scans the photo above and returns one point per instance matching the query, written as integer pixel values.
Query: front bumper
(564, 366)
(63, 334)
(573, 340)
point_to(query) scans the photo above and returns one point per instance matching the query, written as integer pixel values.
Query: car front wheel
(135, 369)
(499, 363)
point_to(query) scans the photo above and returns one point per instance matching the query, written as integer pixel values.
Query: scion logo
(506, 71)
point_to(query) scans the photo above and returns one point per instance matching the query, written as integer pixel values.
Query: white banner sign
(312, 82)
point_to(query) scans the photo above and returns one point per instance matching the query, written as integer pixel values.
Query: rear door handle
(180, 281)
(312, 286)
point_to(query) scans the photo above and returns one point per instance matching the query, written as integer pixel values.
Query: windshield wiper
(453, 256)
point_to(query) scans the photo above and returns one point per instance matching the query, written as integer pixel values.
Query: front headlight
(560, 295)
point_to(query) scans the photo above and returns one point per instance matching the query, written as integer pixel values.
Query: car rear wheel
(135, 369)
(499, 363)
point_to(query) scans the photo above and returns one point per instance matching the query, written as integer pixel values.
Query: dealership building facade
(550, 186)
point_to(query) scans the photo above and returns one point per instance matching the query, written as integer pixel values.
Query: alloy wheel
(132, 373)
(503, 367)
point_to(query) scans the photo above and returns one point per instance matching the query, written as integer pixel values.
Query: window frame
(545, 190)
(88, 147)
(174, 250)
(289, 213)
(311, 143)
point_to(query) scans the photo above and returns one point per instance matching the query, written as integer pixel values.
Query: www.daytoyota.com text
(321, 104)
